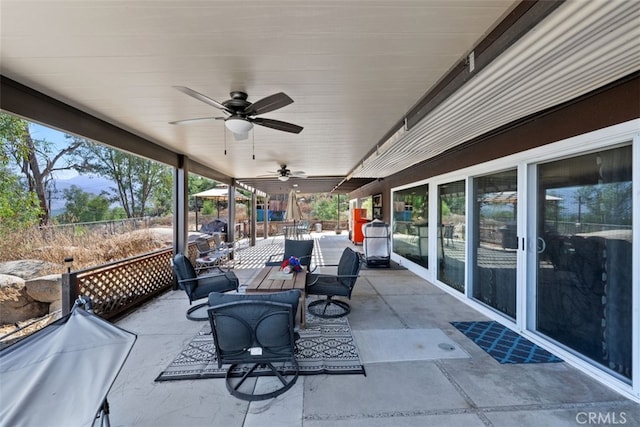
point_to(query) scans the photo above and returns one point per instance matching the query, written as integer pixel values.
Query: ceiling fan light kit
(238, 125)
(284, 173)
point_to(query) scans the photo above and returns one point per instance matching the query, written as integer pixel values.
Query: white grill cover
(376, 240)
(60, 375)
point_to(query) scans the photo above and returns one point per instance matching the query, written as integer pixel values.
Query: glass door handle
(542, 245)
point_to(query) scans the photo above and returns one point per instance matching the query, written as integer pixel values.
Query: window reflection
(495, 241)
(451, 234)
(410, 226)
(584, 255)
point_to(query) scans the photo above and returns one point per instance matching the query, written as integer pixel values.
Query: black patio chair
(254, 334)
(203, 247)
(332, 285)
(198, 287)
(301, 249)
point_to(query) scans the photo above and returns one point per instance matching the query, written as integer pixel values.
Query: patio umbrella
(293, 212)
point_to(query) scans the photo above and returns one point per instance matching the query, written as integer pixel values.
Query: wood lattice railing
(116, 287)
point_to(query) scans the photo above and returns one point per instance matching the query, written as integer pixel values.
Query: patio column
(254, 217)
(265, 222)
(181, 206)
(231, 225)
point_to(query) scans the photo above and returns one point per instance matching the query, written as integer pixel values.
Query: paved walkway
(469, 390)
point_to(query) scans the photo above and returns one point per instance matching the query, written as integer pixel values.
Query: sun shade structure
(217, 194)
(60, 376)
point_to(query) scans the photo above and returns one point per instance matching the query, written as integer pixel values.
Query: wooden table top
(267, 281)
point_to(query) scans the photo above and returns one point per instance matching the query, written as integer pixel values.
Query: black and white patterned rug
(326, 346)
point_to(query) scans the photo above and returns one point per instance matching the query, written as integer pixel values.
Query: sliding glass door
(452, 234)
(495, 243)
(583, 262)
(410, 224)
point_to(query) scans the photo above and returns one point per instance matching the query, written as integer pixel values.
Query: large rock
(29, 268)
(15, 304)
(45, 288)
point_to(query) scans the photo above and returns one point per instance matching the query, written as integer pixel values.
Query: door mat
(326, 346)
(503, 344)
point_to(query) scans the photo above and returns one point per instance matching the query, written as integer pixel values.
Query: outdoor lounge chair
(61, 374)
(340, 284)
(228, 248)
(301, 249)
(203, 247)
(253, 332)
(198, 287)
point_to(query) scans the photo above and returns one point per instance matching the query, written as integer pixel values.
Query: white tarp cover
(376, 240)
(60, 375)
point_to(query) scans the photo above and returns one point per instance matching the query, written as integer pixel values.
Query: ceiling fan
(283, 174)
(240, 114)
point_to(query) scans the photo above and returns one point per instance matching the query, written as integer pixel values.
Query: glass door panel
(584, 246)
(410, 224)
(451, 234)
(495, 241)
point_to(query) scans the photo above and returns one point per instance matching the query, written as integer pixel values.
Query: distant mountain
(88, 183)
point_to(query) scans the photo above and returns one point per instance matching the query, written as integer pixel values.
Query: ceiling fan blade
(179, 122)
(277, 124)
(267, 104)
(201, 97)
(298, 174)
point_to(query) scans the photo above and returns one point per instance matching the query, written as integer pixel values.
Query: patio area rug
(503, 344)
(326, 346)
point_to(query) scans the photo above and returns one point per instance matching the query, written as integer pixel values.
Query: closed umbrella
(293, 212)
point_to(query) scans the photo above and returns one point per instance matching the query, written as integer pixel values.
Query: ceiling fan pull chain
(224, 130)
(253, 142)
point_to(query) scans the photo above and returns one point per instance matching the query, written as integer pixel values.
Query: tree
(18, 208)
(326, 208)
(137, 179)
(37, 160)
(81, 206)
(163, 195)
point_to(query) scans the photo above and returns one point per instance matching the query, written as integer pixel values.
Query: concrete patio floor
(469, 391)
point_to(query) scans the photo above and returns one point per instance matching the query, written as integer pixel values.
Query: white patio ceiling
(353, 68)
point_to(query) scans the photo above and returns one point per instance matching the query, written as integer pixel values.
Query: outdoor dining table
(273, 279)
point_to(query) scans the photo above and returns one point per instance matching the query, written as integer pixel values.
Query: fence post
(69, 291)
